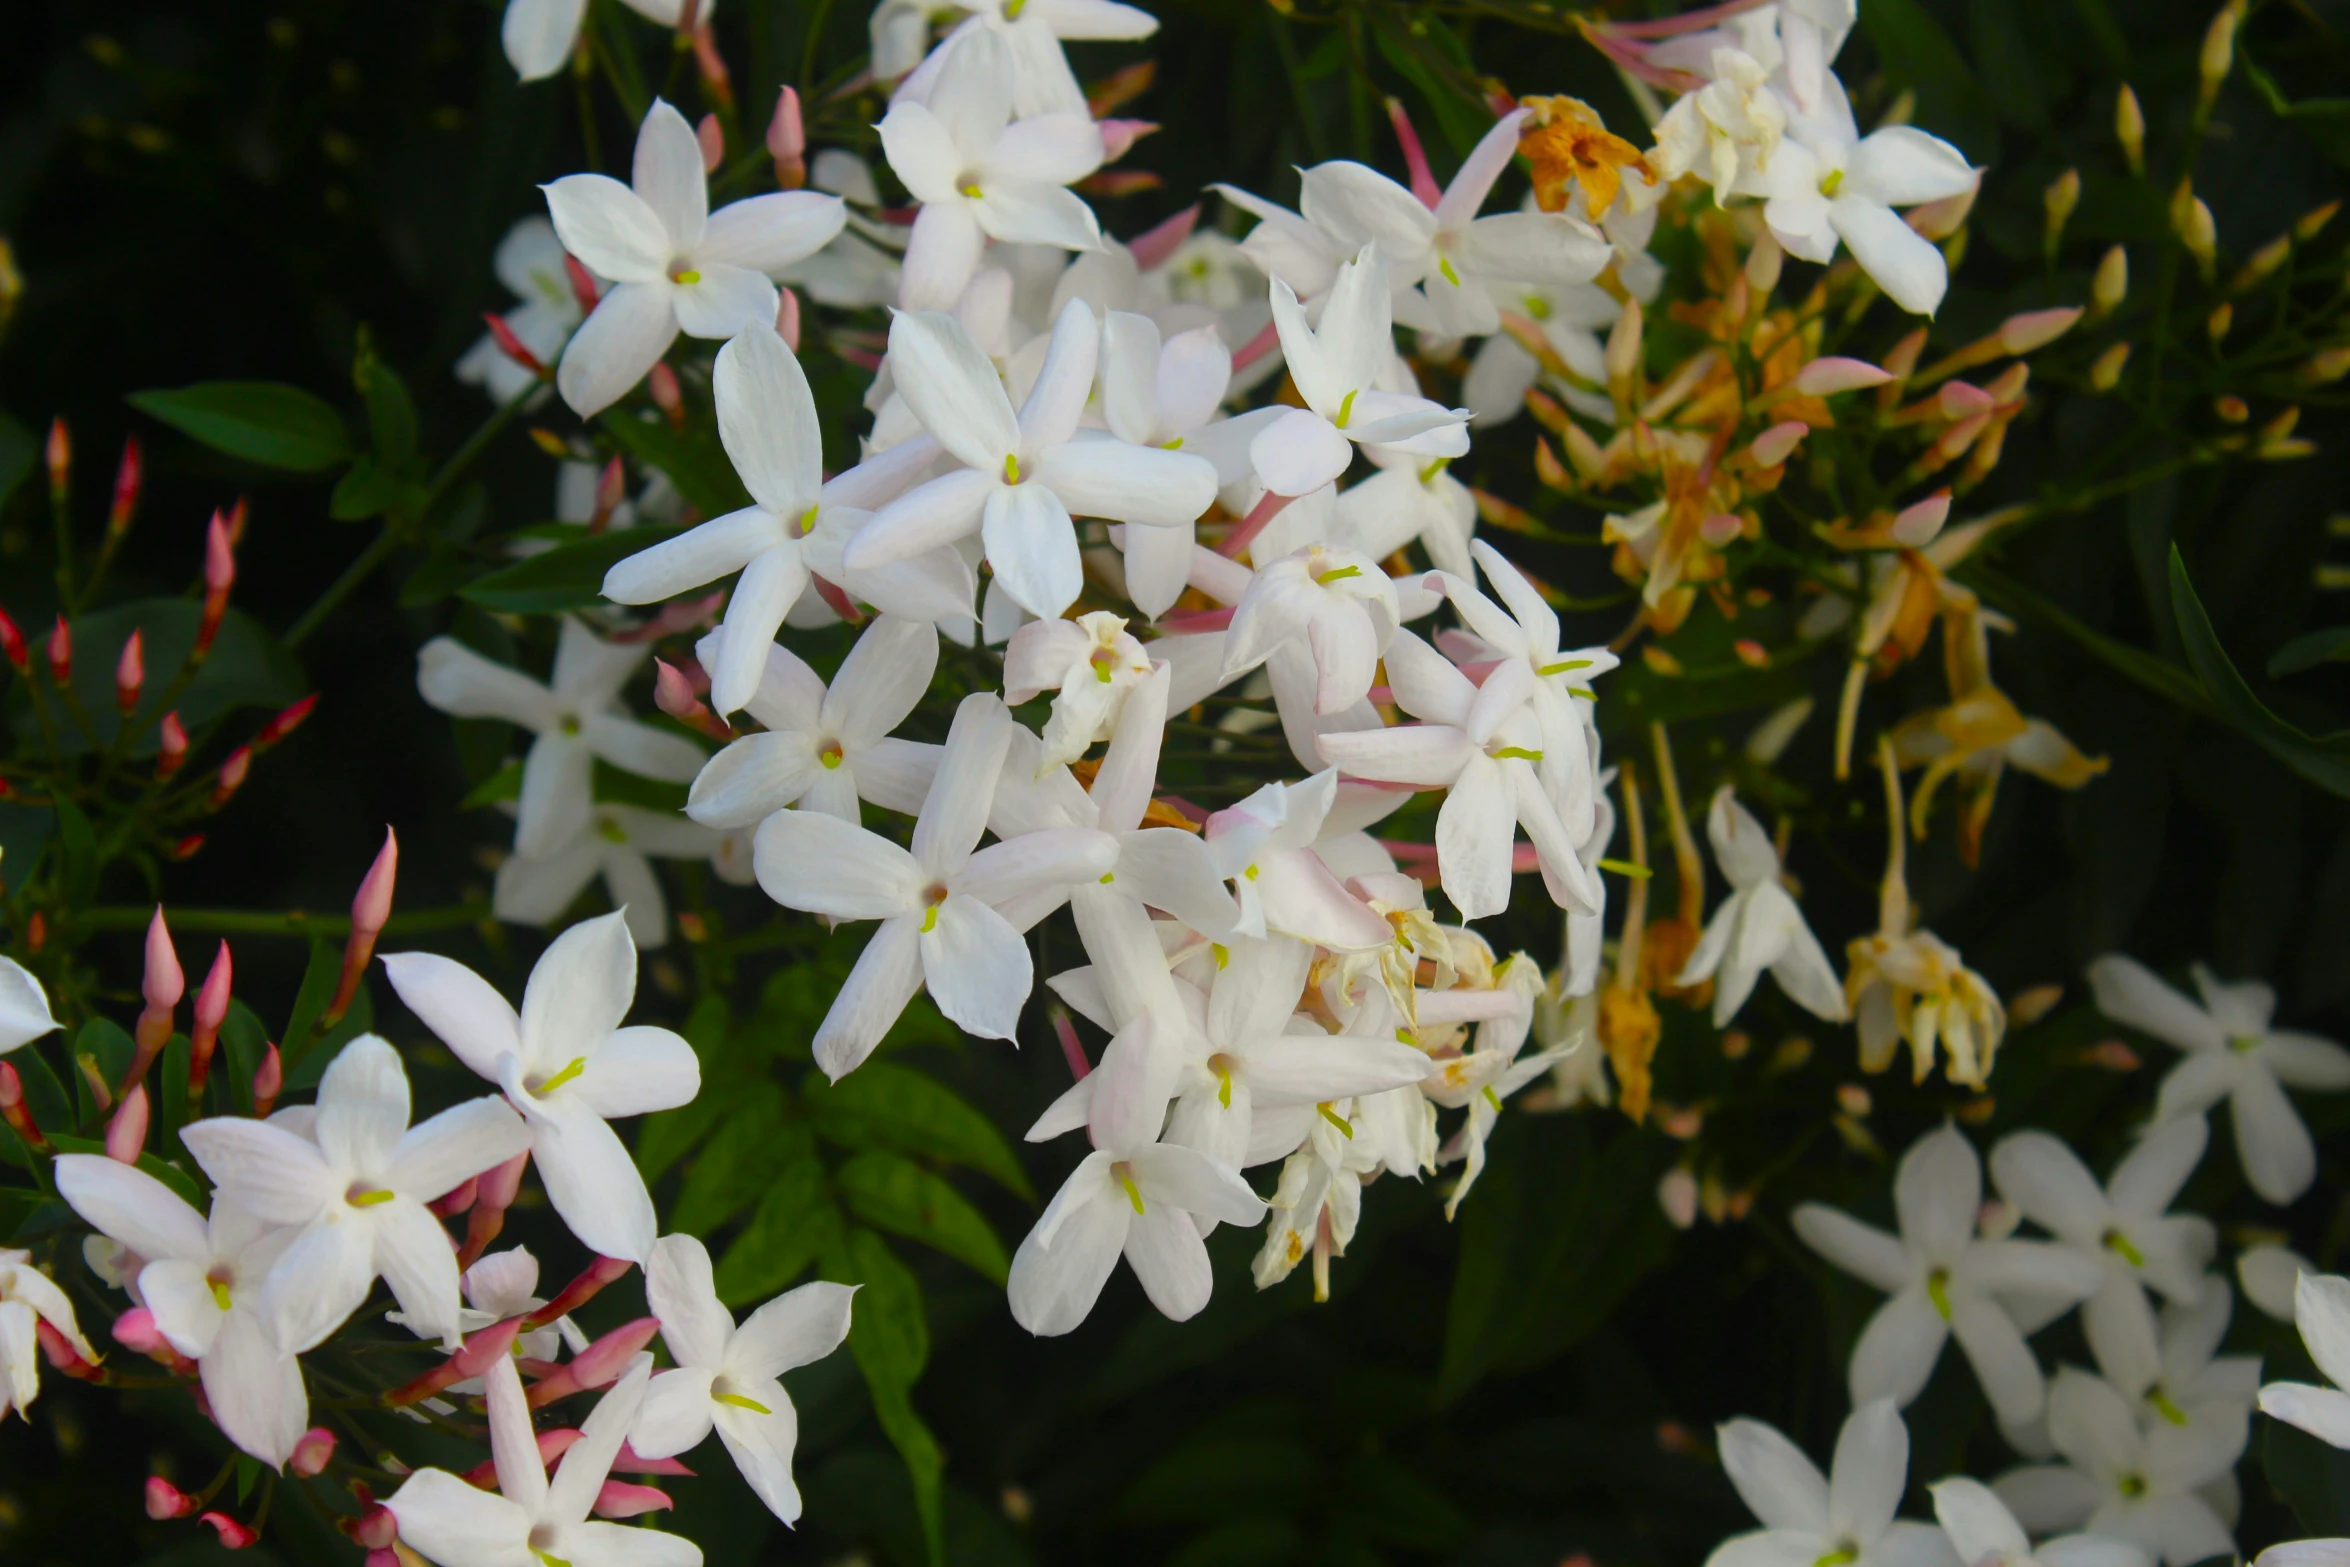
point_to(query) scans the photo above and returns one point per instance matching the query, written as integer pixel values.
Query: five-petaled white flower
(356, 1195)
(28, 1298)
(1757, 927)
(569, 1064)
(726, 1374)
(1032, 31)
(1945, 1281)
(2126, 1478)
(675, 265)
(1985, 1534)
(540, 35)
(2231, 1053)
(1843, 1516)
(618, 844)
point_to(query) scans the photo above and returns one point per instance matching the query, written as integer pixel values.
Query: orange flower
(1566, 143)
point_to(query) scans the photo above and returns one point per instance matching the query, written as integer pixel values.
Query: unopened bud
(2219, 50)
(186, 847)
(1119, 136)
(268, 1079)
(661, 381)
(1963, 400)
(583, 284)
(126, 1133)
(622, 1499)
(585, 1287)
(512, 346)
(712, 137)
(674, 694)
(127, 477)
(611, 490)
(2196, 230)
(2059, 200)
(371, 908)
(167, 1501)
(457, 1200)
(787, 141)
(12, 644)
(2106, 372)
(1623, 351)
(1720, 528)
(2129, 128)
(16, 1112)
(2314, 221)
(1677, 1195)
(717, 82)
(238, 515)
(58, 454)
(2216, 325)
(1763, 264)
(598, 1365)
(1915, 526)
(163, 983)
(285, 723)
(1940, 220)
(1826, 377)
(130, 673)
(2263, 262)
(2279, 430)
(376, 1528)
(234, 1536)
(2231, 408)
(232, 776)
(211, 1011)
(220, 574)
(2111, 285)
(482, 1349)
(2033, 329)
(787, 317)
(313, 1451)
(1776, 444)
(61, 652)
(2327, 366)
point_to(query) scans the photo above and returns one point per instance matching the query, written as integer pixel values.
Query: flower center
(1444, 265)
(725, 1396)
(1517, 753)
(1537, 307)
(806, 523)
(2244, 1044)
(1938, 1291)
(1563, 666)
(2164, 1406)
(362, 1195)
(1831, 182)
(1105, 664)
(219, 1279)
(549, 1085)
(1844, 1553)
(2120, 1245)
(934, 897)
(1223, 1066)
(2131, 1486)
(611, 831)
(1345, 1127)
(568, 723)
(1011, 467)
(1346, 411)
(1124, 1173)
(831, 754)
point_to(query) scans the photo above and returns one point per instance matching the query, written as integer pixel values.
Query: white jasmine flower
(1485, 1078)
(1337, 602)
(1264, 846)
(2270, 1276)
(1845, 1516)
(675, 264)
(1757, 926)
(529, 262)
(2124, 1479)
(618, 845)
(202, 1283)
(1944, 1281)
(356, 1196)
(24, 1007)
(540, 35)
(1032, 31)
(726, 1374)
(1986, 1534)
(980, 176)
(577, 720)
(570, 1064)
(531, 1519)
(1090, 664)
(2321, 1308)
(2188, 1379)
(2122, 1228)
(2231, 1053)
(28, 1298)
(1729, 127)
(826, 748)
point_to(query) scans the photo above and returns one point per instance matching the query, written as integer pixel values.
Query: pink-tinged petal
(1132, 1084)
(1301, 898)
(1474, 180)
(626, 334)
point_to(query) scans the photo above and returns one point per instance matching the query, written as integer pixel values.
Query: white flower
(675, 264)
(1022, 475)
(2189, 1380)
(1410, 500)
(1143, 1200)
(1572, 321)
(1032, 30)
(1485, 1077)
(1090, 664)
(529, 261)
(356, 1195)
(577, 720)
(1844, 1516)
(2270, 1276)
(1481, 745)
(2231, 1053)
(617, 845)
(2321, 1308)
(1314, 1210)
(2122, 1228)
(2305, 1553)
(2124, 1479)
(1455, 257)
(979, 175)
(726, 1375)
(569, 1065)
(826, 748)
(1337, 370)
(540, 35)
(1986, 1534)
(505, 1284)
(24, 1007)
(1336, 602)
(531, 1520)
(1729, 127)
(1944, 1280)
(1827, 183)
(938, 924)
(202, 1282)
(28, 1298)
(1757, 926)
(1264, 846)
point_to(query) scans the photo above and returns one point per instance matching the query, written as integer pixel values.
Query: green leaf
(890, 1339)
(104, 1041)
(306, 1059)
(2325, 121)
(248, 667)
(2007, 55)
(391, 412)
(751, 1147)
(2313, 1477)
(2150, 670)
(265, 422)
(77, 847)
(370, 489)
(504, 784)
(898, 1195)
(25, 831)
(2322, 759)
(794, 1224)
(885, 1105)
(171, 1175)
(670, 1135)
(692, 458)
(2310, 649)
(569, 576)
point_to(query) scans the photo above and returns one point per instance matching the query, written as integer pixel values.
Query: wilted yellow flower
(1567, 144)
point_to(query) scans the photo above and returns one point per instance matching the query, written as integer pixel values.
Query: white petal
(773, 232)
(24, 1007)
(316, 1283)
(680, 1289)
(1780, 1485)
(591, 1181)
(887, 974)
(637, 1071)
(1897, 1350)
(609, 228)
(447, 1520)
(440, 1154)
(1299, 452)
(1904, 263)
(1901, 166)
(1030, 212)
(722, 300)
(767, 419)
(2279, 1159)
(1032, 546)
(255, 1390)
(1055, 1281)
(976, 967)
(2129, 993)
(1168, 1256)
(953, 389)
(411, 1251)
(626, 334)
(132, 1207)
(1977, 1521)
(761, 1445)
(1936, 1190)
(1869, 1473)
(264, 1169)
(538, 35)
(817, 863)
(666, 175)
(792, 1330)
(579, 991)
(677, 1409)
(1134, 484)
(941, 256)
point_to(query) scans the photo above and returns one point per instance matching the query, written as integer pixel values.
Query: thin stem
(293, 922)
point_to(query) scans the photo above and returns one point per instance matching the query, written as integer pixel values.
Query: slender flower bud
(711, 136)
(2327, 365)
(2216, 324)
(1776, 444)
(2059, 200)
(611, 490)
(2106, 372)
(1677, 1195)
(58, 454)
(1720, 528)
(598, 1365)
(1072, 1048)
(126, 1133)
(1763, 264)
(1940, 220)
(2192, 219)
(2035, 329)
(583, 284)
(61, 653)
(591, 1280)
(2129, 128)
(2219, 52)
(621, 1499)
(1623, 352)
(211, 1012)
(17, 1113)
(232, 776)
(787, 317)
(2314, 221)
(674, 694)
(2112, 282)
(376, 1528)
(787, 141)
(451, 1203)
(513, 347)
(1963, 400)
(130, 673)
(482, 1349)
(285, 723)
(268, 1078)
(167, 1501)
(371, 909)
(494, 1193)
(313, 1451)
(160, 988)
(717, 82)
(12, 643)
(1916, 524)
(127, 483)
(2231, 408)
(1415, 157)
(1826, 377)
(2263, 262)
(661, 381)
(234, 1536)
(220, 575)
(187, 847)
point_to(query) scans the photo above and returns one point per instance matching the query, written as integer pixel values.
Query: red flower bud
(232, 775)
(787, 318)
(711, 136)
(662, 383)
(220, 554)
(457, 1201)
(238, 515)
(619, 1499)
(285, 723)
(372, 906)
(164, 983)
(61, 652)
(16, 1112)
(268, 1078)
(59, 455)
(312, 1452)
(165, 1500)
(513, 347)
(787, 141)
(130, 673)
(186, 848)
(583, 284)
(211, 1012)
(127, 479)
(598, 1365)
(234, 1536)
(12, 643)
(171, 745)
(377, 1528)
(611, 490)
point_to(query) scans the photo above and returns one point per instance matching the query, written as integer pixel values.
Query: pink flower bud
(598, 1365)
(583, 284)
(164, 984)
(501, 1182)
(234, 1536)
(61, 649)
(661, 381)
(1826, 377)
(166, 1501)
(1917, 524)
(126, 1133)
(712, 137)
(312, 1452)
(619, 1499)
(2020, 334)
(377, 1528)
(1153, 246)
(1776, 444)
(171, 745)
(135, 1330)
(1072, 1048)
(232, 776)
(1119, 136)
(126, 487)
(64, 1353)
(1677, 1195)
(787, 137)
(58, 453)
(1960, 400)
(611, 490)
(268, 1078)
(457, 1201)
(285, 723)
(220, 557)
(16, 1112)
(1415, 158)
(130, 673)
(787, 318)
(13, 644)
(629, 1463)
(512, 346)
(372, 907)
(212, 1000)
(1720, 528)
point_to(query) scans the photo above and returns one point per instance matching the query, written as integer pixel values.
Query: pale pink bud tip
(1677, 1195)
(604, 1360)
(234, 1536)
(1776, 444)
(135, 1330)
(126, 1134)
(672, 692)
(619, 1499)
(165, 1500)
(268, 1078)
(164, 983)
(1720, 528)
(1826, 377)
(1960, 400)
(486, 1347)
(220, 557)
(1119, 137)
(787, 138)
(130, 671)
(377, 1529)
(212, 1000)
(787, 318)
(373, 905)
(2020, 334)
(1917, 524)
(712, 136)
(312, 1452)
